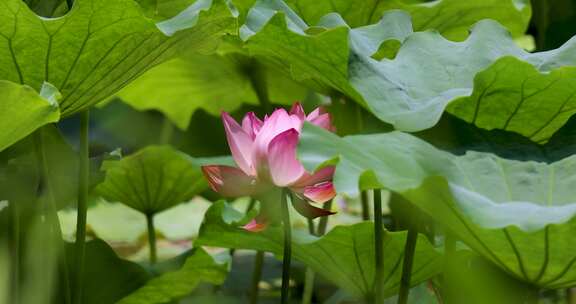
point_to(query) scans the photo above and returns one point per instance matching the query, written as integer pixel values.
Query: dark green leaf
(100, 46)
(440, 15)
(199, 267)
(345, 255)
(152, 179)
(107, 278)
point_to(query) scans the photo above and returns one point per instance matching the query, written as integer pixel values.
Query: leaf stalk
(287, 256)
(82, 205)
(409, 249)
(151, 238)
(378, 248)
(256, 276)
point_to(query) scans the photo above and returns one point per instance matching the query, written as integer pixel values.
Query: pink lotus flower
(265, 153)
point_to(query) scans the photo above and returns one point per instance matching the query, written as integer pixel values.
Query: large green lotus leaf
(164, 9)
(22, 110)
(344, 255)
(183, 85)
(517, 214)
(199, 267)
(513, 95)
(152, 179)
(452, 18)
(428, 72)
(100, 45)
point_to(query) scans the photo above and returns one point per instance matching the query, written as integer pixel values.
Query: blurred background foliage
(178, 103)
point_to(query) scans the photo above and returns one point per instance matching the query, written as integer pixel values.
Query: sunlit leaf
(99, 46)
(22, 110)
(214, 83)
(517, 214)
(199, 267)
(152, 179)
(345, 255)
(428, 73)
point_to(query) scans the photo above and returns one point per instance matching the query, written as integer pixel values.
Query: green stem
(378, 248)
(365, 205)
(308, 286)
(53, 212)
(69, 3)
(311, 228)
(258, 82)
(83, 183)
(167, 132)
(541, 12)
(570, 298)
(151, 238)
(256, 276)
(309, 276)
(324, 220)
(287, 256)
(409, 249)
(15, 253)
(449, 252)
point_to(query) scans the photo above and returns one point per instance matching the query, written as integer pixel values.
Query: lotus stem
(69, 3)
(167, 131)
(83, 182)
(15, 253)
(409, 249)
(258, 264)
(570, 298)
(151, 238)
(51, 210)
(324, 220)
(378, 248)
(256, 276)
(310, 275)
(365, 206)
(449, 252)
(287, 257)
(309, 278)
(257, 78)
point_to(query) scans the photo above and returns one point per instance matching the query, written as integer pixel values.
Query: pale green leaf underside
(99, 46)
(493, 204)
(152, 179)
(23, 110)
(344, 256)
(452, 18)
(199, 267)
(531, 94)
